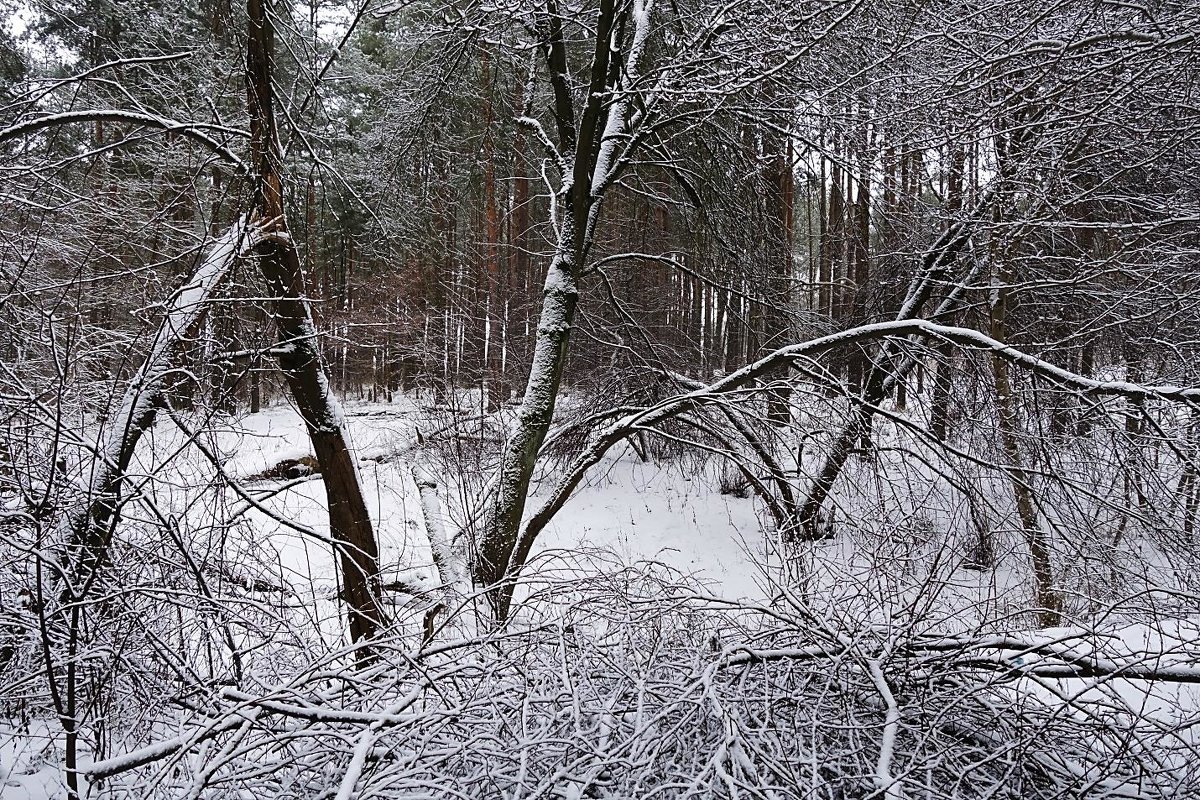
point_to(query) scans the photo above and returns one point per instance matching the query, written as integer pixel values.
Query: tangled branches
(634, 684)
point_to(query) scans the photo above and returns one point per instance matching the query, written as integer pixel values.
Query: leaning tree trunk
(934, 269)
(85, 529)
(881, 379)
(299, 353)
(559, 298)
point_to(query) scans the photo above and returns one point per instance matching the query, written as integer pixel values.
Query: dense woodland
(916, 283)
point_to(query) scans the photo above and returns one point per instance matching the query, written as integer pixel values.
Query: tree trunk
(299, 350)
(85, 530)
(1087, 366)
(590, 140)
(939, 407)
(779, 183)
(559, 298)
(859, 265)
(496, 305)
(1048, 601)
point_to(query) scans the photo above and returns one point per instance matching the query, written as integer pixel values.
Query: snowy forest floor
(660, 526)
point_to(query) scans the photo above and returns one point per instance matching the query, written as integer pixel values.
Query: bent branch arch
(806, 351)
(191, 130)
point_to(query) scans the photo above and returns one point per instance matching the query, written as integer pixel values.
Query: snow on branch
(734, 381)
(160, 750)
(191, 130)
(559, 705)
(1057, 658)
(249, 708)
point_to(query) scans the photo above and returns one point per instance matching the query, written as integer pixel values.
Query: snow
(639, 511)
(643, 512)
(875, 580)
(631, 512)
(255, 443)
(30, 767)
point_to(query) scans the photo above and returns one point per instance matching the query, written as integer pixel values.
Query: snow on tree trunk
(449, 557)
(592, 150)
(448, 554)
(85, 529)
(537, 409)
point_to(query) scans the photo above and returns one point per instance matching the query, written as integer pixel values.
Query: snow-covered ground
(30, 764)
(880, 575)
(630, 509)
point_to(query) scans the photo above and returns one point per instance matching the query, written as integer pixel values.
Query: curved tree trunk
(85, 530)
(881, 378)
(559, 299)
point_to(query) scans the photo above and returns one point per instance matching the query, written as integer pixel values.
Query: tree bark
(299, 353)
(779, 183)
(588, 146)
(494, 386)
(559, 299)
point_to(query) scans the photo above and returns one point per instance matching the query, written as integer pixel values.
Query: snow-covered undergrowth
(649, 688)
(666, 642)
